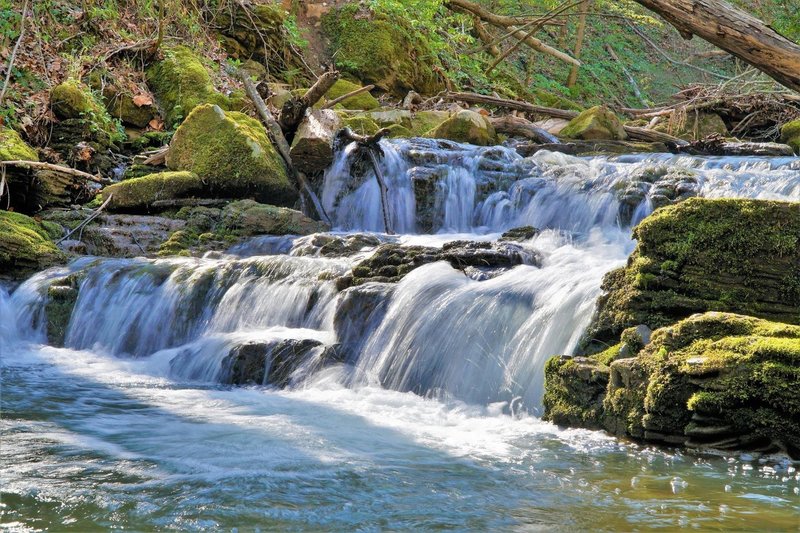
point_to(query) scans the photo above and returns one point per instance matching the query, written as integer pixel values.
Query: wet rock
(275, 363)
(522, 233)
(574, 392)
(141, 194)
(26, 245)
(61, 298)
(359, 311)
(329, 245)
(596, 123)
(232, 155)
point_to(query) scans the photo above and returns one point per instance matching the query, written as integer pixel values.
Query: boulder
(363, 101)
(467, 127)
(232, 155)
(62, 294)
(380, 50)
(713, 380)
(596, 123)
(74, 100)
(361, 124)
(13, 148)
(180, 82)
(273, 363)
(790, 134)
(740, 256)
(139, 194)
(129, 109)
(26, 245)
(312, 146)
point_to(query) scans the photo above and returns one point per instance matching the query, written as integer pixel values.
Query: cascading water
(152, 344)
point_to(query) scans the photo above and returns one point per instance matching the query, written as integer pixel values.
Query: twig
(91, 217)
(14, 52)
(57, 168)
(348, 95)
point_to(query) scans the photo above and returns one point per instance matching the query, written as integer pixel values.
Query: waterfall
(269, 311)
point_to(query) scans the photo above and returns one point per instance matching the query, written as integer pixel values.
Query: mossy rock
(13, 148)
(467, 127)
(363, 101)
(741, 256)
(74, 100)
(790, 134)
(596, 123)
(361, 124)
(139, 194)
(424, 121)
(180, 82)
(232, 154)
(26, 246)
(386, 52)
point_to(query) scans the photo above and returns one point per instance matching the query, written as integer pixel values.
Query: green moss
(180, 82)
(138, 194)
(596, 123)
(384, 52)
(13, 148)
(741, 256)
(25, 246)
(74, 100)
(424, 121)
(574, 391)
(360, 124)
(232, 154)
(468, 127)
(790, 134)
(363, 101)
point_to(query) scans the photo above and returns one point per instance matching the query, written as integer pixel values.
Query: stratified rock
(714, 380)
(790, 134)
(596, 123)
(741, 256)
(231, 153)
(139, 194)
(467, 127)
(26, 246)
(312, 146)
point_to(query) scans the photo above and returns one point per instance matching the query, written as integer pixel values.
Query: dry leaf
(156, 124)
(142, 100)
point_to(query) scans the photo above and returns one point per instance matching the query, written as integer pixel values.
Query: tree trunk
(735, 31)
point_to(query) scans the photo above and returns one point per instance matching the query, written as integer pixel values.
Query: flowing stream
(412, 405)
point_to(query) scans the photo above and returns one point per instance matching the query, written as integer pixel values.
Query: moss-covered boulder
(364, 101)
(384, 51)
(361, 124)
(26, 245)
(13, 148)
(181, 82)
(467, 127)
(596, 123)
(142, 194)
(232, 154)
(790, 134)
(713, 380)
(74, 101)
(740, 256)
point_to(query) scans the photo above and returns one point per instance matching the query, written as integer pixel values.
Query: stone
(273, 363)
(26, 246)
(233, 156)
(740, 256)
(180, 82)
(61, 298)
(13, 148)
(139, 194)
(790, 134)
(467, 127)
(312, 146)
(596, 123)
(363, 101)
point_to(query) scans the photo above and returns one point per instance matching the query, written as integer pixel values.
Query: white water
(431, 424)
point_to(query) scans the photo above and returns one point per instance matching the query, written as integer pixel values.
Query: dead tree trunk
(295, 109)
(735, 31)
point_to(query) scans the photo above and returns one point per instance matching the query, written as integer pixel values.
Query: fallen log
(294, 109)
(736, 32)
(510, 23)
(276, 134)
(57, 168)
(520, 127)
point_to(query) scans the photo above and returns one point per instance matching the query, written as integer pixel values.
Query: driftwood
(91, 217)
(520, 127)
(294, 110)
(641, 134)
(510, 23)
(56, 168)
(735, 31)
(157, 158)
(369, 143)
(348, 95)
(412, 99)
(276, 134)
